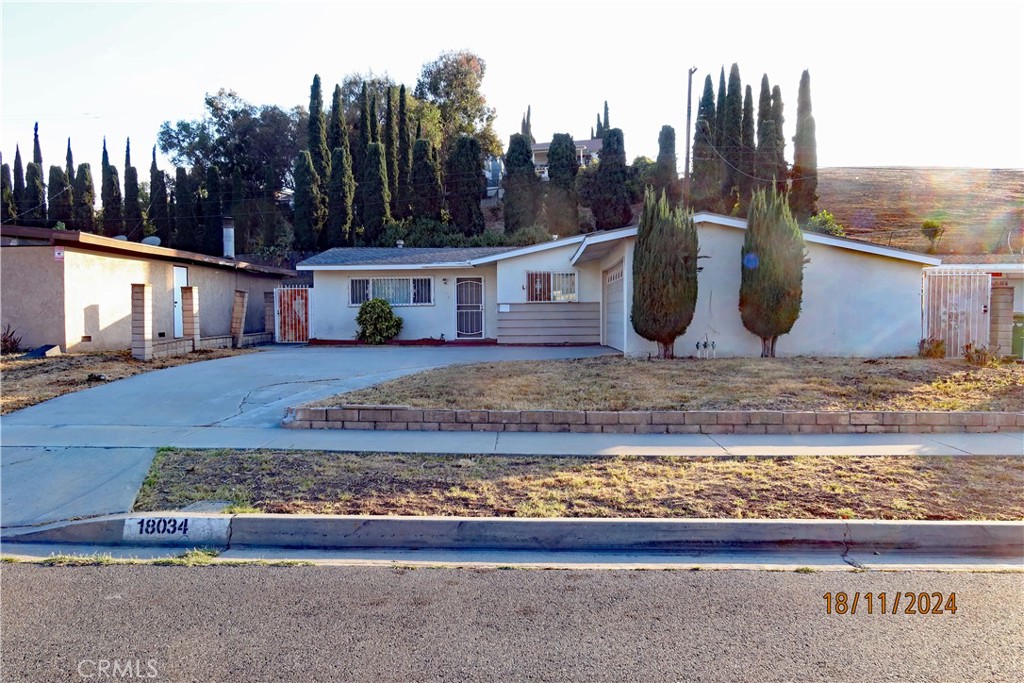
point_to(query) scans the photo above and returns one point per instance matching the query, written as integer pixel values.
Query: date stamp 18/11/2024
(890, 603)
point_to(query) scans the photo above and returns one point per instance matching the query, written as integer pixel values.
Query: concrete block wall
(238, 316)
(142, 322)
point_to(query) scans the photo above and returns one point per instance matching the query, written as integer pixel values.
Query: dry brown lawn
(876, 487)
(24, 383)
(615, 383)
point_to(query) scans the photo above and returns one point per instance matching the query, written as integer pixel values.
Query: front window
(397, 291)
(550, 286)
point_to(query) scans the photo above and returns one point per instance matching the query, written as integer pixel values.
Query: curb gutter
(1004, 539)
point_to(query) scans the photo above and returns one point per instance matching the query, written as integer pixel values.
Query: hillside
(979, 207)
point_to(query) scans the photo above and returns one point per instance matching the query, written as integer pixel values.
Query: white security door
(614, 309)
(469, 308)
(180, 280)
(956, 307)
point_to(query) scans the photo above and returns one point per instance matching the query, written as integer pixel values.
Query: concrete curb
(1004, 539)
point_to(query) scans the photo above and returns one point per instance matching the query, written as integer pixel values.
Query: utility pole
(686, 166)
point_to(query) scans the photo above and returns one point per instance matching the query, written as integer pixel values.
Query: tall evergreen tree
(610, 202)
(341, 190)
(405, 143)
(731, 147)
(60, 197)
(158, 207)
(561, 210)
(7, 208)
(19, 186)
(391, 148)
(133, 217)
(83, 213)
(665, 178)
(337, 124)
(522, 201)
(719, 126)
(526, 128)
(374, 120)
(764, 157)
(186, 228)
(110, 196)
(426, 193)
(771, 269)
(37, 153)
(317, 134)
(464, 177)
(705, 182)
(604, 124)
(664, 273)
(803, 199)
(69, 166)
(309, 209)
(35, 197)
(376, 195)
(748, 149)
(213, 213)
(599, 130)
(781, 167)
(359, 151)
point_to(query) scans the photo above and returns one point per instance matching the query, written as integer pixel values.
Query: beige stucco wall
(32, 295)
(332, 318)
(216, 295)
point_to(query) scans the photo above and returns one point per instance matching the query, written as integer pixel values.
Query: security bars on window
(548, 286)
(397, 291)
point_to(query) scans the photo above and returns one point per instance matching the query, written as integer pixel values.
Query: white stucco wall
(512, 274)
(332, 318)
(854, 303)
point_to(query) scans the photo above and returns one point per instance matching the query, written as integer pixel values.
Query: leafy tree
(771, 269)
(464, 182)
(19, 186)
(133, 217)
(781, 167)
(825, 223)
(7, 208)
(60, 196)
(404, 161)
(35, 197)
(186, 227)
(640, 177)
(317, 134)
(664, 273)
(522, 186)
(309, 204)
(159, 211)
(83, 213)
(452, 82)
(376, 195)
(426, 193)
(665, 177)
(391, 147)
(933, 232)
(110, 196)
(610, 201)
(705, 183)
(731, 147)
(803, 199)
(341, 192)
(561, 212)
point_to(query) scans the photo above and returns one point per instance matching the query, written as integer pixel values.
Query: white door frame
(604, 290)
(483, 307)
(179, 282)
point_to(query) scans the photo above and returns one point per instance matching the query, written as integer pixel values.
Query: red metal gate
(291, 307)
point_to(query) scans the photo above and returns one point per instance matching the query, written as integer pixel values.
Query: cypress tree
(731, 147)
(7, 208)
(185, 226)
(664, 273)
(336, 123)
(591, 132)
(604, 124)
(764, 157)
(803, 199)
(526, 127)
(426, 193)
(37, 153)
(69, 167)
(405, 143)
(60, 197)
(359, 151)
(705, 183)
(83, 213)
(666, 177)
(341, 192)
(317, 134)
(464, 175)
(35, 197)
(719, 126)
(376, 195)
(522, 186)
(309, 208)
(781, 168)
(748, 149)
(132, 209)
(213, 213)
(159, 214)
(391, 148)
(113, 205)
(561, 210)
(19, 186)
(771, 269)
(610, 203)
(374, 120)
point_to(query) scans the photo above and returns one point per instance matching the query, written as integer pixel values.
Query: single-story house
(74, 289)
(859, 299)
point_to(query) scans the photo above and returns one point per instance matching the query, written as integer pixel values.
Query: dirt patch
(615, 383)
(28, 382)
(876, 487)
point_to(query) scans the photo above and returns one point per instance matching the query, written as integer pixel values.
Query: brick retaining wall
(650, 422)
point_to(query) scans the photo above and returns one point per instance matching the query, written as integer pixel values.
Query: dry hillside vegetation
(614, 383)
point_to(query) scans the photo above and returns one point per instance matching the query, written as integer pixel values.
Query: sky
(892, 83)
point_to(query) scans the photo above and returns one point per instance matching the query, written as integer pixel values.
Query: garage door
(614, 310)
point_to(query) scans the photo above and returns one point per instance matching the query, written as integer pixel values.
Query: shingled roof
(408, 256)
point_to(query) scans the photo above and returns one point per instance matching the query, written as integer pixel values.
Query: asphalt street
(321, 623)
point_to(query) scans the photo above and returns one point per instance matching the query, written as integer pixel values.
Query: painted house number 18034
(161, 525)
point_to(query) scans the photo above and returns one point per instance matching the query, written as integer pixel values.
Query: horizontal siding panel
(560, 339)
(546, 324)
(555, 306)
(550, 323)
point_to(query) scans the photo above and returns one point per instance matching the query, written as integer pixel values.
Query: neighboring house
(587, 152)
(859, 299)
(74, 289)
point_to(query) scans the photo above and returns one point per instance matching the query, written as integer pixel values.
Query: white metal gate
(956, 307)
(291, 314)
(469, 308)
(614, 309)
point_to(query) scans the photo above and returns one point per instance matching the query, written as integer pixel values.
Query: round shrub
(378, 324)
